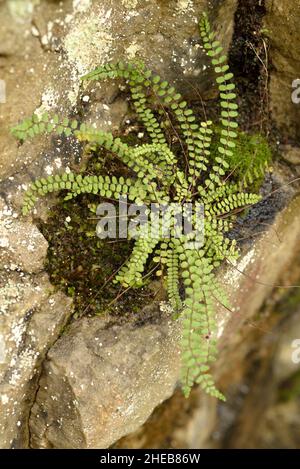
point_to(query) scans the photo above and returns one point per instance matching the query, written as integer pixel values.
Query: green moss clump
(250, 158)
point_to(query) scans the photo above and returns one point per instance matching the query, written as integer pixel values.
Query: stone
(137, 368)
(22, 245)
(31, 318)
(284, 365)
(94, 419)
(258, 271)
(291, 154)
(60, 387)
(281, 21)
(101, 382)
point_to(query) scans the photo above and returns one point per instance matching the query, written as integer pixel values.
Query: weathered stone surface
(53, 46)
(101, 382)
(280, 427)
(22, 246)
(82, 401)
(262, 341)
(288, 345)
(257, 273)
(291, 154)
(31, 318)
(264, 412)
(44, 49)
(282, 23)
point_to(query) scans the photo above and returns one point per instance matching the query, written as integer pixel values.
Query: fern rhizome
(163, 176)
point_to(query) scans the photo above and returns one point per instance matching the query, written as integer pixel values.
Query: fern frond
(172, 260)
(229, 107)
(199, 324)
(39, 125)
(77, 184)
(197, 137)
(232, 202)
(130, 275)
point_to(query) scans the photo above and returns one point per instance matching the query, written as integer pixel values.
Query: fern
(161, 175)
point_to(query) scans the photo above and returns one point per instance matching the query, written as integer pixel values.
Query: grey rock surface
(282, 24)
(60, 387)
(114, 376)
(32, 316)
(101, 382)
(44, 49)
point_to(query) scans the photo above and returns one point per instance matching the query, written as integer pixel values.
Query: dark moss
(80, 263)
(252, 155)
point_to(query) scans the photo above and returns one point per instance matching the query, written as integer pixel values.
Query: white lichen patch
(130, 3)
(2, 349)
(21, 244)
(4, 399)
(49, 100)
(80, 6)
(166, 308)
(48, 36)
(22, 10)
(17, 330)
(184, 6)
(10, 294)
(25, 364)
(234, 274)
(88, 43)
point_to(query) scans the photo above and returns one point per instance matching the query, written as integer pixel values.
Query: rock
(282, 24)
(291, 154)
(280, 427)
(102, 382)
(31, 318)
(135, 367)
(22, 245)
(91, 395)
(284, 365)
(200, 424)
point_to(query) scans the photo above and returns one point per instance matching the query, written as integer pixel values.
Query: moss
(290, 389)
(252, 154)
(80, 263)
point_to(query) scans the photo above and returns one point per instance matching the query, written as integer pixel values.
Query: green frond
(42, 124)
(138, 77)
(172, 261)
(138, 82)
(199, 323)
(215, 170)
(229, 107)
(232, 202)
(77, 184)
(131, 274)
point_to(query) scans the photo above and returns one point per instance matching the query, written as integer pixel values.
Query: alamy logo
(156, 221)
(296, 92)
(296, 352)
(2, 92)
